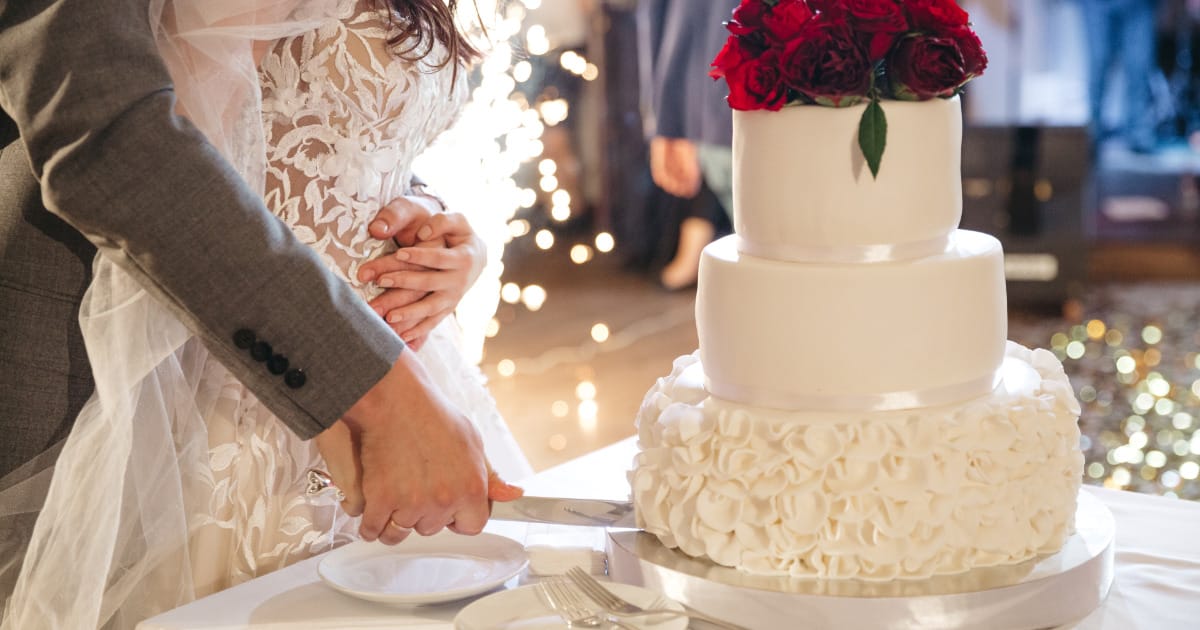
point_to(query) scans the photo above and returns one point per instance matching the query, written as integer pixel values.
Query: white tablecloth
(1157, 583)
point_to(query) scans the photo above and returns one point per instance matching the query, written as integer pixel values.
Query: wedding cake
(855, 410)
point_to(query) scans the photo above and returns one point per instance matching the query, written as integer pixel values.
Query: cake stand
(1045, 592)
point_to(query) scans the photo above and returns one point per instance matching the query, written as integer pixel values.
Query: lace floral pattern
(344, 119)
(906, 494)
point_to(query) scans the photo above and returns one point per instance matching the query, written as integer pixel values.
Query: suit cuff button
(244, 339)
(261, 351)
(277, 364)
(295, 379)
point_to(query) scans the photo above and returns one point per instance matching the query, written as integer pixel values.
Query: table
(1157, 584)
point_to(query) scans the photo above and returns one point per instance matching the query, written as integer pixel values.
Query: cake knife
(564, 511)
(551, 510)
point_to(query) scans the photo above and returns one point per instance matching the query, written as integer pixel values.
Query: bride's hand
(398, 221)
(339, 448)
(450, 256)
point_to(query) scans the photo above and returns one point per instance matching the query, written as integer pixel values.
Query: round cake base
(1045, 592)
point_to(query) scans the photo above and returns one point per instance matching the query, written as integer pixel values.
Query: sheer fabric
(176, 481)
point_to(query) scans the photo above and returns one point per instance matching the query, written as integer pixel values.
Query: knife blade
(552, 510)
(564, 511)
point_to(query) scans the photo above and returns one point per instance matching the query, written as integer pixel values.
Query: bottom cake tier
(864, 495)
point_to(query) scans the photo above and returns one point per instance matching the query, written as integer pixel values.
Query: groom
(92, 157)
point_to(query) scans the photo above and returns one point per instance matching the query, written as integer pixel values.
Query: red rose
(828, 64)
(936, 15)
(825, 6)
(879, 21)
(786, 19)
(731, 56)
(922, 67)
(747, 17)
(975, 60)
(753, 76)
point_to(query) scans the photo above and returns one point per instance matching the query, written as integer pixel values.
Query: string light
(486, 146)
(510, 292)
(506, 367)
(588, 412)
(526, 198)
(585, 390)
(522, 71)
(580, 254)
(536, 41)
(518, 228)
(605, 242)
(533, 297)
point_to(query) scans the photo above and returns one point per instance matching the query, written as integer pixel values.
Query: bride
(176, 481)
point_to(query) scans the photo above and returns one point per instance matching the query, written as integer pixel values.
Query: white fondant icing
(827, 336)
(851, 340)
(802, 190)
(875, 496)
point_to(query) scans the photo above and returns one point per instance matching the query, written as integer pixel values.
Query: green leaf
(872, 135)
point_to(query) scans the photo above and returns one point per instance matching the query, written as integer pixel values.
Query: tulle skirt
(176, 482)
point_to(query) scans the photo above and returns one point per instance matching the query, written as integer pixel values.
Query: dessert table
(1157, 583)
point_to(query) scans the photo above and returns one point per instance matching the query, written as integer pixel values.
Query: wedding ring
(392, 523)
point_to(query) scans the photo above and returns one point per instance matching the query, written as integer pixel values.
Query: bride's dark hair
(424, 22)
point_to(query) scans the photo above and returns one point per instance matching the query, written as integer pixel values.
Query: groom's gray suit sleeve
(93, 105)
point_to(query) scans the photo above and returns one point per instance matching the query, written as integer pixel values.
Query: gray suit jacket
(93, 157)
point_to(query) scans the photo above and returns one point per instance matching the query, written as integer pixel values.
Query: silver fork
(619, 607)
(566, 600)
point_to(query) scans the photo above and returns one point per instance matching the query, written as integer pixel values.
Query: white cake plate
(1046, 592)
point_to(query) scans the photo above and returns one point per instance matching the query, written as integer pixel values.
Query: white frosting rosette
(869, 496)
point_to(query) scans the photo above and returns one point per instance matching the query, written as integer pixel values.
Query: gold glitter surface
(1137, 376)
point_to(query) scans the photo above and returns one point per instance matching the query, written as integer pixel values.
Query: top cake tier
(803, 192)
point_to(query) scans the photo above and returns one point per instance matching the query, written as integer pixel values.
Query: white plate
(523, 609)
(423, 570)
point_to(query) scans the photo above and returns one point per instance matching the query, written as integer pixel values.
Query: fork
(618, 607)
(566, 600)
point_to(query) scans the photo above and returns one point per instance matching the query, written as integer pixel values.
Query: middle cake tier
(842, 337)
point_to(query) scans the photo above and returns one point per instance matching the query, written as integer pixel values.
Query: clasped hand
(440, 257)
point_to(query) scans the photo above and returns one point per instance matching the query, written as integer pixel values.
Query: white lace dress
(344, 119)
(176, 481)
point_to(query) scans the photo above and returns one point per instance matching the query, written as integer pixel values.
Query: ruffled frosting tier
(870, 496)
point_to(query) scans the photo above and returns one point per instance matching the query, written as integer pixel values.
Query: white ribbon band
(889, 401)
(847, 253)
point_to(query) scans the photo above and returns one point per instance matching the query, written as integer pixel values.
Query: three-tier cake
(854, 409)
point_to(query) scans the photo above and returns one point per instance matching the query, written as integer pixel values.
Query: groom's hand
(423, 466)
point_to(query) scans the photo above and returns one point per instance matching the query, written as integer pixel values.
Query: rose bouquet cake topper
(840, 53)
